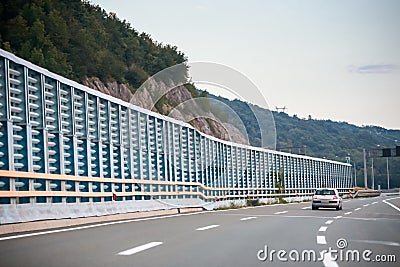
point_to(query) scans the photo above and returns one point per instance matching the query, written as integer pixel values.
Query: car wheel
(338, 207)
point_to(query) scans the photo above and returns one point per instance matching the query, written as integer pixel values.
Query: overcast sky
(336, 60)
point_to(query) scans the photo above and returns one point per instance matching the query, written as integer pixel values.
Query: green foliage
(280, 182)
(77, 40)
(192, 89)
(161, 102)
(253, 202)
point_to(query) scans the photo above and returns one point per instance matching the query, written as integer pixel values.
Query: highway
(274, 235)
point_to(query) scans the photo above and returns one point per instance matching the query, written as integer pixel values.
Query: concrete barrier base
(367, 193)
(61, 223)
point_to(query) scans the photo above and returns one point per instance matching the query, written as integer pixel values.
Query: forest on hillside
(76, 39)
(325, 139)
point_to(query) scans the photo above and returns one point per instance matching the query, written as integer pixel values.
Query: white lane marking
(357, 209)
(346, 201)
(248, 218)
(329, 222)
(281, 212)
(374, 203)
(338, 217)
(306, 208)
(392, 198)
(328, 260)
(386, 243)
(347, 213)
(207, 227)
(390, 204)
(95, 225)
(321, 240)
(366, 205)
(322, 229)
(132, 251)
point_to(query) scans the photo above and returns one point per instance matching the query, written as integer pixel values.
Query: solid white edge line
(390, 204)
(321, 240)
(329, 222)
(248, 218)
(134, 250)
(385, 243)
(322, 229)
(95, 225)
(207, 227)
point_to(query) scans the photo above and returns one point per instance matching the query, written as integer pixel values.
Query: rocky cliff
(173, 101)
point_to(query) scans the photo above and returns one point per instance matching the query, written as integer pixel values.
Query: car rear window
(325, 192)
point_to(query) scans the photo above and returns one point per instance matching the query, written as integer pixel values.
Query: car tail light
(315, 197)
(334, 197)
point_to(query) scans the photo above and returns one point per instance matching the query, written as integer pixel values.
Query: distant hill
(325, 139)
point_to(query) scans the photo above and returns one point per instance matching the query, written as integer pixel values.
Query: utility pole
(372, 174)
(365, 169)
(355, 175)
(387, 170)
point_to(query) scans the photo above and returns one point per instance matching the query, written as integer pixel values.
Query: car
(326, 198)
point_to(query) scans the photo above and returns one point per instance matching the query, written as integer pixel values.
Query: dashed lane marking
(281, 212)
(321, 240)
(248, 218)
(328, 260)
(135, 250)
(357, 209)
(347, 213)
(207, 227)
(322, 229)
(329, 222)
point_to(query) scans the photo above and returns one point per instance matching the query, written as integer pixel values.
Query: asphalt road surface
(365, 233)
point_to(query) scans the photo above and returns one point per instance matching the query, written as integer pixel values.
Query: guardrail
(225, 193)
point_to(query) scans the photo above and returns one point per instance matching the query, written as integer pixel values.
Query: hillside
(78, 40)
(325, 139)
(85, 43)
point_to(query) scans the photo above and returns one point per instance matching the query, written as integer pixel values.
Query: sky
(337, 60)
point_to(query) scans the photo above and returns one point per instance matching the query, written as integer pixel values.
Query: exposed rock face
(177, 103)
(114, 89)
